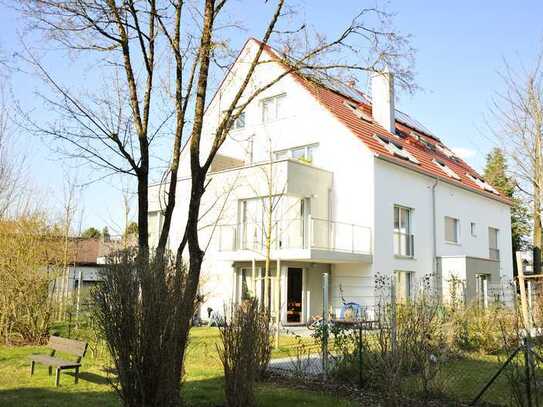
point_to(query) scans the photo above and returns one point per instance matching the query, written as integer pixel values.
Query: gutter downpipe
(434, 233)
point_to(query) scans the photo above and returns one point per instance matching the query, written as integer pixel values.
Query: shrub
(244, 351)
(139, 309)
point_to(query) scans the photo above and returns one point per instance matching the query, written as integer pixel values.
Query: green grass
(203, 382)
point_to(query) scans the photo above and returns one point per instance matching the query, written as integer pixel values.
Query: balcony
(312, 239)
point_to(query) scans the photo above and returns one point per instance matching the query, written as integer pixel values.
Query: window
(446, 169)
(359, 112)
(155, 221)
(273, 108)
(303, 153)
(239, 123)
(404, 286)
(473, 229)
(403, 238)
(493, 251)
(444, 150)
(396, 148)
(482, 289)
(451, 229)
(482, 183)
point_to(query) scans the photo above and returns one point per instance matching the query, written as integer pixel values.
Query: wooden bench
(68, 346)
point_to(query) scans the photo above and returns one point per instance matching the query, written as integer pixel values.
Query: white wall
(397, 185)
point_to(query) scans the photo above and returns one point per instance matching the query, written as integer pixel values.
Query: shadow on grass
(89, 377)
(52, 397)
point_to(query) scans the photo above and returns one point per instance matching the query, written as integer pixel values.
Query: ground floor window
(404, 285)
(482, 289)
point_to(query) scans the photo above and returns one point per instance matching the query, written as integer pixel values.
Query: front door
(294, 295)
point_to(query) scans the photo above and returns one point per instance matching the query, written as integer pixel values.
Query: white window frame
(409, 285)
(395, 149)
(287, 152)
(457, 232)
(481, 288)
(409, 243)
(446, 169)
(494, 252)
(482, 184)
(473, 229)
(275, 99)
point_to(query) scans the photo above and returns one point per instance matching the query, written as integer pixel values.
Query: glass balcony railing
(297, 233)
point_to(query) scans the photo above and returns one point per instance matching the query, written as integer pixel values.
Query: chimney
(382, 96)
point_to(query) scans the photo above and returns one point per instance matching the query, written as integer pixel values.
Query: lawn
(203, 382)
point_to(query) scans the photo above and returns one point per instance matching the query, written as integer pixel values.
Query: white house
(359, 189)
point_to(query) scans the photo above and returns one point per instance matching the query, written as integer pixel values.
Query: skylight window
(445, 150)
(361, 114)
(396, 149)
(446, 169)
(482, 184)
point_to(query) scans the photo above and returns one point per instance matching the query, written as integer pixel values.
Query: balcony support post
(253, 266)
(277, 302)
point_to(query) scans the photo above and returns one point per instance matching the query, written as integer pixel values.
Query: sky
(460, 50)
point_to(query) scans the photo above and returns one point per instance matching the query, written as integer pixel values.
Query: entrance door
(294, 295)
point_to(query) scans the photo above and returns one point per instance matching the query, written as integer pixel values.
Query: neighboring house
(359, 190)
(85, 259)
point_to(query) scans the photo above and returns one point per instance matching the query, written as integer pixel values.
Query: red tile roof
(420, 144)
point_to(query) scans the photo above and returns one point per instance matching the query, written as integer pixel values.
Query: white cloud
(463, 152)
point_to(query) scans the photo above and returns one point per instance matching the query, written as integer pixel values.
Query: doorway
(294, 295)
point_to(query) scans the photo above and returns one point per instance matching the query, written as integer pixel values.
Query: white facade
(336, 211)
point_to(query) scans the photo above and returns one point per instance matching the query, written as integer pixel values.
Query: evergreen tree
(91, 233)
(496, 174)
(105, 233)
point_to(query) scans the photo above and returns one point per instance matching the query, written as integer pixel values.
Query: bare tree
(517, 112)
(136, 43)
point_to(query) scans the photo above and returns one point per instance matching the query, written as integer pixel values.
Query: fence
(422, 350)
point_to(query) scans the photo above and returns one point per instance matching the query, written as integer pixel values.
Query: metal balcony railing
(298, 233)
(404, 244)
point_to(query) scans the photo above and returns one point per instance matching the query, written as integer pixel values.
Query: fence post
(527, 370)
(325, 324)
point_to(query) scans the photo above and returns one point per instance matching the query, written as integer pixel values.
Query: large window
(494, 252)
(404, 285)
(302, 153)
(273, 108)
(451, 230)
(403, 237)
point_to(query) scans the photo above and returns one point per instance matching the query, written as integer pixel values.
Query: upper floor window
(273, 108)
(493, 251)
(473, 229)
(451, 230)
(239, 123)
(302, 153)
(396, 149)
(403, 237)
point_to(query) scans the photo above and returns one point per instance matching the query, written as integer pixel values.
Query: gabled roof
(429, 153)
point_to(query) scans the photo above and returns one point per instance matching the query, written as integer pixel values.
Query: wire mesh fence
(425, 351)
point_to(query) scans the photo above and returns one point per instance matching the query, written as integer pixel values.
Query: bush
(140, 308)
(30, 254)
(245, 351)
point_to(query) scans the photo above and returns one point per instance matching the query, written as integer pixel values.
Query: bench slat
(71, 346)
(53, 361)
